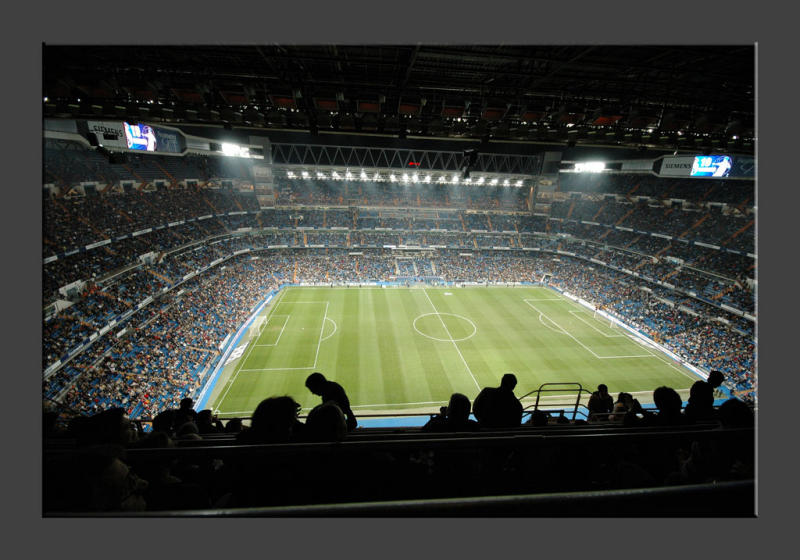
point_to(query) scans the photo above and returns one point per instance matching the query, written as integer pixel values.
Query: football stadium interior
(567, 231)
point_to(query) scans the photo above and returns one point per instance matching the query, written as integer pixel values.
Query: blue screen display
(711, 166)
(140, 137)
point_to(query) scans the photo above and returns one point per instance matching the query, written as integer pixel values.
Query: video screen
(711, 166)
(140, 137)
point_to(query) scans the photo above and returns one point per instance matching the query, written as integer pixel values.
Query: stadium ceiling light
(480, 180)
(405, 177)
(442, 178)
(363, 175)
(376, 177)
(348, 175)
(335, 175)
(506, 183)
(494, 181)
(428, 178)
(519, 183)
(454, 179)
(305, 174)
(415, 178)
(392, 177)
(290, 174)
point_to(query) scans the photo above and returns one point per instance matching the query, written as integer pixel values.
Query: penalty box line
(592, 352)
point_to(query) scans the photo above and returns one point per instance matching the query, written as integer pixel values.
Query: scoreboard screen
(140, 137)
(711, 166)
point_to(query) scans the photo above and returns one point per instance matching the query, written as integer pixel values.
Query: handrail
(729, 498)
(566, 386)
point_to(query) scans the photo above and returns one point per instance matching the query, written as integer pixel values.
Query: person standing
(332, 391)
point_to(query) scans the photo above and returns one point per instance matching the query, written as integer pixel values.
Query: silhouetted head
(602, 389)
(164, 420)
(458, 408)
(314, 382)
(233, 426)
(667, 400)
(715, 379)
(701, 394)
(734, 413)
(509, 381)
(539, 418)
(187, 403)
(274, 417)
(326, 422)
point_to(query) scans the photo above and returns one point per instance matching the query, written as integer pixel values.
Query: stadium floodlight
(480, 180)
(336, 176)
(428, 178)
(405, 177)
(363, 175)
(590, 167)
(230, 149)
(442, 179)
(320, 175)
(506, 183)
(494, 181)
(415, 178)
(349, 175)
(454, 179)
(392, 177)
(519, 183)
(305, 174)
(376, 177)
(290, 174)
(468, 180)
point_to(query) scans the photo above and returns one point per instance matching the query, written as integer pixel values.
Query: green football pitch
(409, 349)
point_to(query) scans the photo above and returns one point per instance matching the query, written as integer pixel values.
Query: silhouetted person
(539, 418)
(234, 426)
(497, 407)
(274, 421)
(326, 422)
(701, 402)
(207, 423)
(715, 379)
(600, 403)
(332, 391)
(453, 418)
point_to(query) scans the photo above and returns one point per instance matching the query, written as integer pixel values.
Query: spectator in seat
(669, 404)
(187, 409)
(274, 421)
(701, 402)
(326, 422)
(332, 391)
(207, 423)
(600, 403)
(453, 418)
(497, 407)
(234, 426)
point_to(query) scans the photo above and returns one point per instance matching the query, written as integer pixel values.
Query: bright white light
(376, 177)
(590, 167)
(320, 175)
(415, 178)
(735, 137)
(290, 174)
(680, 133)
(230, 149)
(442, 178)
(405, 177)
(468, 180)
(519, 183)
(335, 175)
(427, 178)
(480, 180)
(305, 174)
(506, 183)
(363, 175)
(649, 130)
(46, 100)
(570, 125)
(494, 181)
(454, 179)
(349, 175)
(392, 177)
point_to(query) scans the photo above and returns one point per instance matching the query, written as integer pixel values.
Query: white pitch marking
(452, 340)
(582, 344)
(577, 315)
(335, 328)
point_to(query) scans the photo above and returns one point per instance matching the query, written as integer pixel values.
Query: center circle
(427, 322)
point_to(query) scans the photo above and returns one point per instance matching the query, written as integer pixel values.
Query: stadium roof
(682, 96)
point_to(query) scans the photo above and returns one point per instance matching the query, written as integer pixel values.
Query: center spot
(445, 327)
